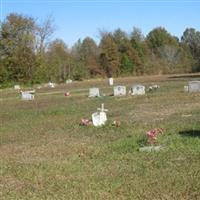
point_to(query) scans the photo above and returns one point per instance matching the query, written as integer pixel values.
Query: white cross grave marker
(102, 109)
(99, 118)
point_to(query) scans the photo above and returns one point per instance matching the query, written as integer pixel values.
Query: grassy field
(45, 153)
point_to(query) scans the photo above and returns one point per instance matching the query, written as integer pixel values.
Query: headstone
(68, 81)
(194, 86)
(137, 90)
(94, 92)
(99, 118)
(186, 88)
(110, 80)
(52, 85)
(150, 148)
(17, 87)
(119, 90)
(27, 95)
(153, 88)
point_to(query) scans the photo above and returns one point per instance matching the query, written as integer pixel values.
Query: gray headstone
(119, 90)
(194, 86)
(137, 90)
(68, 81)
(186, 88)
(94, 92)
(17, 87)
(27, 95)
(150, 148)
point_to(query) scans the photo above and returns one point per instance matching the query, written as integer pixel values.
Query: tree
(58, 59)
(88, 56)
(17, 51)
(137, 41)
(191, 39)
(44, 31)
(159, 37)
(130, 61)
(109, 56)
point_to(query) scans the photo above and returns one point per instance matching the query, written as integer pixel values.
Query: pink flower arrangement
(86, 122)
(152, 135)
(67, 94)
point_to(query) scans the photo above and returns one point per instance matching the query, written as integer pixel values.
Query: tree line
(28, 55)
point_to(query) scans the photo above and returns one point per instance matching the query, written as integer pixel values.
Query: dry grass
(45, 154)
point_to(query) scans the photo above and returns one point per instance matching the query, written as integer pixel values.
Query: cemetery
(99, 100)
(74, 145)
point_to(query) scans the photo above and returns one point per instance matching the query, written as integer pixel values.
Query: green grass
(45, 154)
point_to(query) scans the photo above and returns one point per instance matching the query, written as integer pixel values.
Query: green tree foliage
(27, 53)
(17, 47)
(130, 61)
(158, 38)
(88, 54)
(168, 52)
(109, 55)
(191, 39)
(58, 59)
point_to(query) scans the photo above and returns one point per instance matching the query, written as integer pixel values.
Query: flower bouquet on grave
(85, 122)
(152, 135)
(116, 123)
(152, 140)
(67, 94)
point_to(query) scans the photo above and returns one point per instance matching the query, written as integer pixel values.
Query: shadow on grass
(190, 133)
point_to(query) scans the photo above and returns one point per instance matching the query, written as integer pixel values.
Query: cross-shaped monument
(102, 109)
(99, 118)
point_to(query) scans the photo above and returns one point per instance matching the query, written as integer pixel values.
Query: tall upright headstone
(17, 87)
(111, 81)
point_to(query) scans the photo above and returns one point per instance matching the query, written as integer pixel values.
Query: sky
(76, 19)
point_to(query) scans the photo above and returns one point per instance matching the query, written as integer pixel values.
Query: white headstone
(52, 85)
(194, 86)
(119, 90)
(153, 88)
(17, 87)
(137, 90)
(99, 118)
(186, 88)
(68, 81)
(94, 92)
(27, 95)
(110, 80)
(150, 148)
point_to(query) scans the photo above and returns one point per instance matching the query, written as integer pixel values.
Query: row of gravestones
(119, 91)
(99, 118)
(30, 95)
(193, 86)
